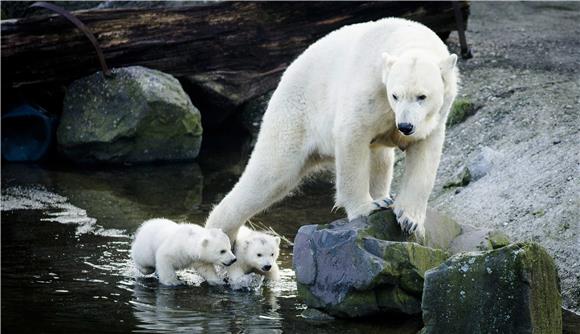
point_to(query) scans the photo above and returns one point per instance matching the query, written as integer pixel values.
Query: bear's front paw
(369, 207)
(383, 203)
(410, 223)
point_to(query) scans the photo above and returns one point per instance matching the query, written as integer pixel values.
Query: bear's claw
(408, 226)
(383, 203)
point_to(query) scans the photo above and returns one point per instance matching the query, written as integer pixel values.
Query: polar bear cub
(255, 252)
(163, 245)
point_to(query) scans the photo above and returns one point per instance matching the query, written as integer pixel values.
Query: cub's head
(261, 252)
(216, 249)
(416, 90)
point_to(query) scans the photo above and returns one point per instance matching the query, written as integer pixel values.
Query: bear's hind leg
(268, 178)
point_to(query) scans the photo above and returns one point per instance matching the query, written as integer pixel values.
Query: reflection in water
(66, 267)
(203, 309)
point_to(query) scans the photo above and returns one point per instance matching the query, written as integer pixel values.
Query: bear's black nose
(266, 268)
(231, 262)
(406, 128)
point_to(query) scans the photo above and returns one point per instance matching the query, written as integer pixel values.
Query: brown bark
(223, 53)
(242, 46)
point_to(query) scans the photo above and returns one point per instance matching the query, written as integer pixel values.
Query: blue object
(27, 133)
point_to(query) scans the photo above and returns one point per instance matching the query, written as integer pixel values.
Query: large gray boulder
(368, 266)
(362, 267)
(139, 115)
(513, 289)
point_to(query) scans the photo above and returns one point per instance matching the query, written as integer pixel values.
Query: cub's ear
(277, 241)
(448, 64)
(205, 242)
(388, 62)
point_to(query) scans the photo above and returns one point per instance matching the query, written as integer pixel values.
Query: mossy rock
(513, 289)
(137, 116)
(460, 110)
(361, 268)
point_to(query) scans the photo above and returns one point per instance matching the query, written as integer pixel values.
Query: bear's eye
(395, 97)
(272, 254)
(421, 97)
(259, 254)
(223, 251)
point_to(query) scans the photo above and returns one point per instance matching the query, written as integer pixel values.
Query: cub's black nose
(266, 268)
(406, 128)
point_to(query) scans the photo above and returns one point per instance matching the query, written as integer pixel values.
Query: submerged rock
(139, 115)
(513, 289)
(362, 267)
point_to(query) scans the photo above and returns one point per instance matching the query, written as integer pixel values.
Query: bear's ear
(388, 62)
(205, 242)
(277, 241)
(448, 64)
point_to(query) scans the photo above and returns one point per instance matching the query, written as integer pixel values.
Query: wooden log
(225, 53)
(231, 42)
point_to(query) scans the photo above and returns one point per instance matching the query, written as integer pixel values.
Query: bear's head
(216, 249)
(416, 88)
(261, 252)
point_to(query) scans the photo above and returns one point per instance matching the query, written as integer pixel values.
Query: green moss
(137, 115)
(356, 304)
(546, 299)
(461, 109)
(461, 179)
(394, 299)
(511, 289)
(498, 239)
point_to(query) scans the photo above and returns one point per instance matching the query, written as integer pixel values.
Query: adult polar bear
(351, 98)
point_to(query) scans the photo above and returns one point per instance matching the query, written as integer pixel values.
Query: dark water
(66, 234)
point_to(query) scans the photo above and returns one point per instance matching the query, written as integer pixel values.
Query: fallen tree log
(236, 50)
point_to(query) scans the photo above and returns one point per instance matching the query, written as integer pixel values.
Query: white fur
(334, 107)
(163, 245)
(255, 251)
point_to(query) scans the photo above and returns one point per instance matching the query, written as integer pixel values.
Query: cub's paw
(217, 281)
(410, 223)
(171, 282)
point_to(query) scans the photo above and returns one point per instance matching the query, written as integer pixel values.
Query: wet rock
(368, 266)
(472, 238)
(140, 115)
(513, 289)
(362, 267)
(252, 112)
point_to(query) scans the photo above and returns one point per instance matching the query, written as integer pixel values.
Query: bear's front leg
(352, 175)
(235, 273)
(382, 161)
(421, 163)
(165, 270)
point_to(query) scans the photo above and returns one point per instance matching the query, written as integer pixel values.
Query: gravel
(525, 75)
